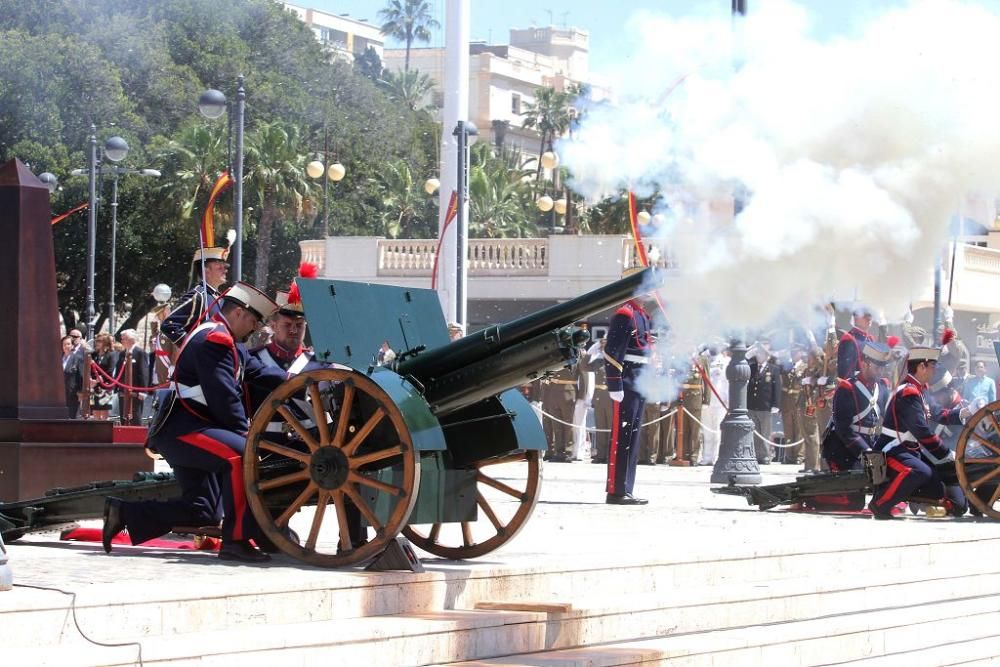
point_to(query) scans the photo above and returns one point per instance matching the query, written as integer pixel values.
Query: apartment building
(503, 78)
(345, 37)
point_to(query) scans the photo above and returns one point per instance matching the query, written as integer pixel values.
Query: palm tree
(499, 196)
(402, 199)
(406, 87)
(193, 160)
(550, 114)
(408, 21)
(275, 184)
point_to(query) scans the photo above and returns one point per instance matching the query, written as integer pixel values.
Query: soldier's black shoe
(627, 499)
(242, 551)
(114, 522)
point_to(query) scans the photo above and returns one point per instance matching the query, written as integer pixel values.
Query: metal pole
(114, 243)
(462, 220)
(936, 333)
(91, 229)
(456, 108)
(237, 262)
(326, 181)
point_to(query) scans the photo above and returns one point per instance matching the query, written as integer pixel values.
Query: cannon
(976, 469)
(433, 441)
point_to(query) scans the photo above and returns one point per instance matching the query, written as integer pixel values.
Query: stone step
(946, 633)
(221, 598)
(744, 621)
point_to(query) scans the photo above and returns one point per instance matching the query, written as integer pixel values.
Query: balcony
(554, 268)
(537, 272)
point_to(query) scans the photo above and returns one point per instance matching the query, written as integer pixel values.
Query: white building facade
(344, 37)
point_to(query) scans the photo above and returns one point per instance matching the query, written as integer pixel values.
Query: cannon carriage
(433, 440)
(976, 469)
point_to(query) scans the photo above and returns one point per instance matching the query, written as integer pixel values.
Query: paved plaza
(687, 579)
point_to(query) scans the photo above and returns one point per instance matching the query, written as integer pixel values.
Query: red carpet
(180, 542)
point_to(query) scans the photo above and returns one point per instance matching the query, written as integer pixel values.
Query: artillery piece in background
(976, 469)
(409, 446)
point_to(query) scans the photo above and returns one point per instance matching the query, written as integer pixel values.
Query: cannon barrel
(505, 355)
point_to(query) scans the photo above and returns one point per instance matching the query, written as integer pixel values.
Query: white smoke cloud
(856, 151)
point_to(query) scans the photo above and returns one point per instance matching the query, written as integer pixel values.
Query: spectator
(105, 357)
(72, 377)
(980, 386)
(133, 369)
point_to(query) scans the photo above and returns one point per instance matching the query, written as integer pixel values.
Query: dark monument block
(39, 447)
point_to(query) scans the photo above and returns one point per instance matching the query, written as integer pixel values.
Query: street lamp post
(91, 228)
(737, 461)
(335, 172)
(212, 104)
(115, 149)
(465, 133)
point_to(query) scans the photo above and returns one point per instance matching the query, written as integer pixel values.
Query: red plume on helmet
(947, 336)
(892, 341)
(294, 305)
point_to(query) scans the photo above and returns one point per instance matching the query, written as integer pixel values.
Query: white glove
(964, 415)
(950, 457)
(617, 396)
(774, 411)
(807, 381)
(821, 381)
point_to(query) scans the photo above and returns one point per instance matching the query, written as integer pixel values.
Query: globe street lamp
(335, 172)
(212, 104)
(50, 181)
(466, 133)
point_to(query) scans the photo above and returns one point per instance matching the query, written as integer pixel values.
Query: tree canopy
(136, 69)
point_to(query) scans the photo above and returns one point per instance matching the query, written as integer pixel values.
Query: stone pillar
(737, 462)
(33, 380)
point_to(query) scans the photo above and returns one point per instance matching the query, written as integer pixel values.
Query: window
(515, 104)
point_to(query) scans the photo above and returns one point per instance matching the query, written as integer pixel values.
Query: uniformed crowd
(832, 401)
(576, 409)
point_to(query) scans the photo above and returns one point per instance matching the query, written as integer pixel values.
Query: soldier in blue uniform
(910, 445)
(849, 356)
(625, 355)
(190, 310)
(203, 435)
(858, 407)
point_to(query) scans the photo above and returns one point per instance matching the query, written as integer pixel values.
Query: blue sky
(604, 19)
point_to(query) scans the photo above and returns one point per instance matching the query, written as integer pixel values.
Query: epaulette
(220, 337)
(909, 390)
(844, 384)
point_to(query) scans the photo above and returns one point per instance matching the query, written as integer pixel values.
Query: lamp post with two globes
(335, 172)
(115, 149)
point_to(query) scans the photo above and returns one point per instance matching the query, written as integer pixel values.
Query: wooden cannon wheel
(356, 461)
(495, 500)
(977, 460)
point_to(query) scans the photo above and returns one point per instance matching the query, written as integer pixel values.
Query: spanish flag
(208, 217)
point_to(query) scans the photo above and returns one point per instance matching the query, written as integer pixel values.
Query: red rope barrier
(115, 382)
